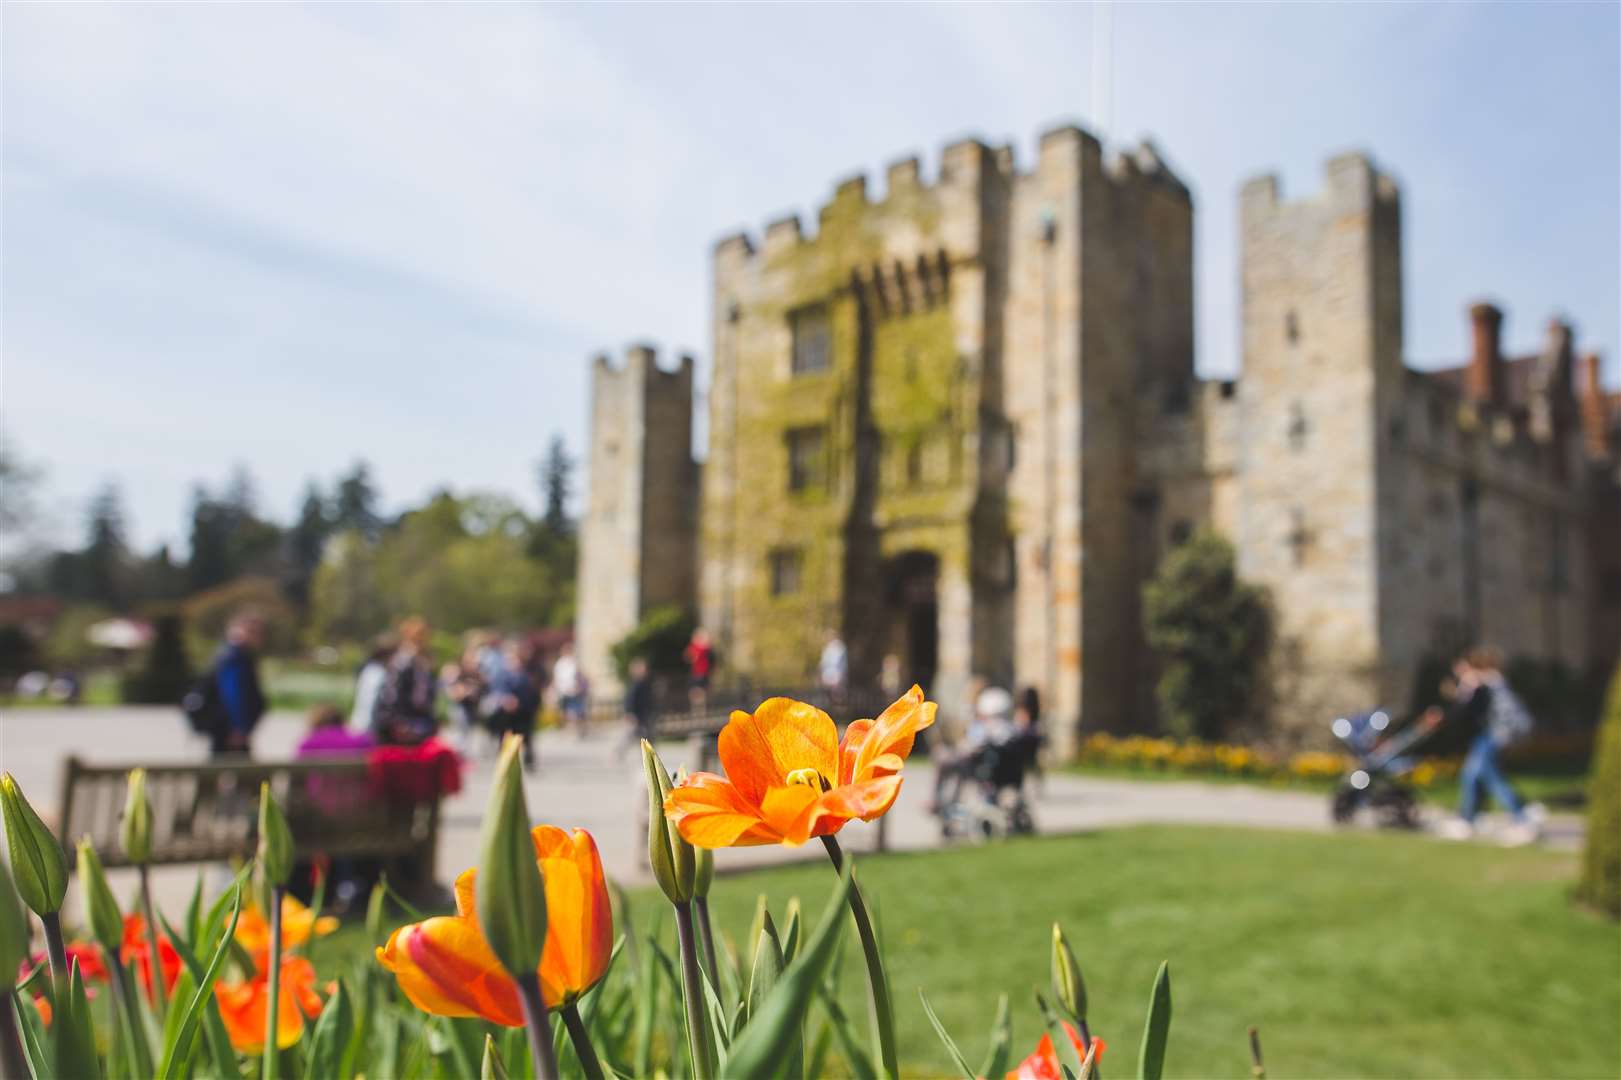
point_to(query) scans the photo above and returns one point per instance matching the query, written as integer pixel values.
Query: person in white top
(834, 667)
(568, 683)
(369, 683)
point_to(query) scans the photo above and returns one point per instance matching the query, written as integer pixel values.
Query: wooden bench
(208, 812)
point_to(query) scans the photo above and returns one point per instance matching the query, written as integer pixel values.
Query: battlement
(1351, 182)
(965, 167)
(641, 362)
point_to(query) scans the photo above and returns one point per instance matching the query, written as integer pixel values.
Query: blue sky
(289, 237)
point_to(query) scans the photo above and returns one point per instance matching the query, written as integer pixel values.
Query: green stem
(706, 938)
(160, 992)
(540, 1032)
(582, 1042)
(13, 1061)
(274, 960)
(692, 992)
(124, 1001)
(883, 1014)
(58, 952)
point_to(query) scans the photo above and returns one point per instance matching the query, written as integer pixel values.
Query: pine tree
(355, 504)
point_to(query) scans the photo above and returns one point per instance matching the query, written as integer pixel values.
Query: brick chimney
(1592, 407)
(1485, 379)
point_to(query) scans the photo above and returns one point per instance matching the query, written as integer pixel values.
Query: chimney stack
(1485, 379)
(1591, 403)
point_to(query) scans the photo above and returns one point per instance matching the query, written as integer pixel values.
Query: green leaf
(74, 1031)
(511, 898)
(174, 1051)
(844, 1033)
(194, 914)
(768, 964)
(219, 1043)
(35, 1044)
(331, 1035)
(996, 1058)
(940, 1030)
(764, 1046)
(1157, 1028)
(492, 1067)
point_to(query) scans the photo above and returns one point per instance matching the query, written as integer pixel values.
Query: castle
(961, 425)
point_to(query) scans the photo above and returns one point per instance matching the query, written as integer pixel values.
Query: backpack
(204, 710)
(1508, 720)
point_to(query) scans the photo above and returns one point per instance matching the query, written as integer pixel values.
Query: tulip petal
(452, 954)
(866, 799)
(710, 812)
(758, 751)
(789, 811)
(464, 893)
(894, 731)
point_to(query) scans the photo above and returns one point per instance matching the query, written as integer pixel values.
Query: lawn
(1354, 954)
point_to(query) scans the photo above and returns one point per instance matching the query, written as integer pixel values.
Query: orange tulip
(1043, 1064)
(243, 1005)
(298, 925)
(445, 966)
(789, 778)
(137, 950)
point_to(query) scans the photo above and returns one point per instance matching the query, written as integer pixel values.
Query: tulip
(106, 921)
(1044, 1064)
(298, 925)
(39, 869)
(245, 1005)
(136, 833)
(445, 965)
(136, 952)
(789, 777)
(1068, 985)
(275, 839)
(512, 906)
(276, 864)
(669, 854)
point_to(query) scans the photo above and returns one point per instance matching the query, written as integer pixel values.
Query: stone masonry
(959, 424)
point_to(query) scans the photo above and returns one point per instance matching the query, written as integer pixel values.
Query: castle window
(807, 459)
(1298, 539)
(813, 339)
(1291, 327)
(1181, 530)
(1229, 387)
(1297, 427)
(786, 566)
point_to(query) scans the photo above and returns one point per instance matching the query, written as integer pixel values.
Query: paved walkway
(595, 783)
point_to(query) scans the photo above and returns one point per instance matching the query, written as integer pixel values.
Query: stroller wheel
(1342, 808)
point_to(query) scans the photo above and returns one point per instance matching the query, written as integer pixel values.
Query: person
(369, 683)
(568, 684)
(512, 702)
(992, 725)
(700, 657)
(1491, 717)
(889, 677)
(1027, 717)
(336, 796)
(638, 705)
(236, 678)
(404, 714)
(464, 684)
(833, 669)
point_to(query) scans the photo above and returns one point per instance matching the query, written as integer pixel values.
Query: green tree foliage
(102, 571)
(354, 505)
(345, 601)
(207, 614)
(1600, 885)
(306, 540)
(164, 673)
(1210, 633)
(228, 538)
(660, 639)
(68, 643)
(18, 653)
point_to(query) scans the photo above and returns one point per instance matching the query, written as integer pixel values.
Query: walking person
(1493, 717)
(464, 684)
(236, 680)
(568, 684)
(369, 682)
(404, 714)
(638, 706)
(833, 668)
(700, 657)
(512, 702)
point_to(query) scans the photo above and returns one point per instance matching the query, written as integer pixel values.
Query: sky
(291, 237)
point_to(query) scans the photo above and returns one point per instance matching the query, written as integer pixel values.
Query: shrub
(1601, 862)
(1210, 632)
(165, 673)
(660, 639)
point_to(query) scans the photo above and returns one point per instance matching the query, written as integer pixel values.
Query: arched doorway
(911, 597)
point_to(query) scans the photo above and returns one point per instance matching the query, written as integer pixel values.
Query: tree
(556, 485)
(660, 638)
(106, 560)
(210, 562)
(307, 539)
(208, 613)
(355, 503)
(1600, 885)
(345, 601)
(165, 672)
(1210, 633)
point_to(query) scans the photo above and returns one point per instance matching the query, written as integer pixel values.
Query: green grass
(1355, 954)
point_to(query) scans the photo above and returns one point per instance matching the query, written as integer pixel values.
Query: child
(337, 795)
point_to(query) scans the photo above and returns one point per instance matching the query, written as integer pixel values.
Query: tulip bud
(100, 906)
(275, 839)
(13, 931)
(703, 872)
(37, 861)
(374, 913)
(511, 897)
(674, 864)
(137, 831)
(1068, 986)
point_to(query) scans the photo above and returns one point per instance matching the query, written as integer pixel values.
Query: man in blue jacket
(236, 677)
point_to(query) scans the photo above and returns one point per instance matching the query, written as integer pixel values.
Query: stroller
(1378, 779)
(991, 802)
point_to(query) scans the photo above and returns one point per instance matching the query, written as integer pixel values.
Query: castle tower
(639, 534)
(1322, 340)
